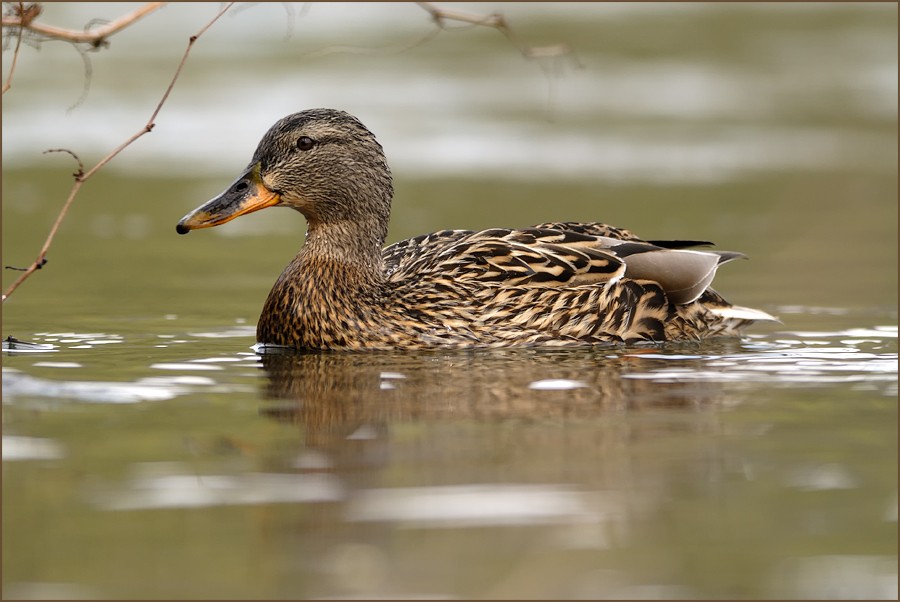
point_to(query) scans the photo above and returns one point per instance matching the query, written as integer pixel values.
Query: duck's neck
(346, 246)
(330, 291)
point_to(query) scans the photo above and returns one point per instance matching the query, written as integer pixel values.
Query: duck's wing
(684, 274)
(399, 255)
(567, 255)
(512, 257)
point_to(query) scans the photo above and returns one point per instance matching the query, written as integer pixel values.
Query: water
(150, 451)
(761, 467)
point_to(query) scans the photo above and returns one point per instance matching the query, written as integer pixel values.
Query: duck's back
(560, 284)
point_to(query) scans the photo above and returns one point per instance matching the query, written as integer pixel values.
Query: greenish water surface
(150, 452)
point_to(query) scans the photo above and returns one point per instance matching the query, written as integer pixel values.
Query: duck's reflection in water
(487, 445)
(342, 397)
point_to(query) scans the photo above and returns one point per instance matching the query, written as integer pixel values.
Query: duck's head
(322, 162)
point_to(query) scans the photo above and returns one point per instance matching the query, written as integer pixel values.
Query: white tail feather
(743, 313)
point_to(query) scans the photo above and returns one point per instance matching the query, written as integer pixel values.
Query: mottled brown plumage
(553, 284)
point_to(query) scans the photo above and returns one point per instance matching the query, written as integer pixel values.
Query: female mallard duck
(551, 284)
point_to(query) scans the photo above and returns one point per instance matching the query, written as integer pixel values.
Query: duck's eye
(305, 143)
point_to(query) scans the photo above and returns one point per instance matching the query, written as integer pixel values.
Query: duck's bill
(246, 195)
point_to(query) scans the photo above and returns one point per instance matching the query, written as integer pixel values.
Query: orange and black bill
(246, 195)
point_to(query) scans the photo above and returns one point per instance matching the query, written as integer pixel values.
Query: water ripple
(804, 361)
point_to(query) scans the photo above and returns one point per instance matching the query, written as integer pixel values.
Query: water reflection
(19, 385)
(481, 505)
(173, 485)
(27, 390)
(351, 410)
(512, 450)
(31, 448)
(836, 577)
(334, 395)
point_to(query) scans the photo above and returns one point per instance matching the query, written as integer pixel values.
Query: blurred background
(148, 452)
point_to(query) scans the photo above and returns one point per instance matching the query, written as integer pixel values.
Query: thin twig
(80, 172)
(88, 76)
(12, 68)
(96, 37)
(440, 16)
(498, 22)
(81, 176)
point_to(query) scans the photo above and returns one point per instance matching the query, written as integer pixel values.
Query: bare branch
(441, 16)
(96, 37)
(498, 22)
(41, 260)
(22, 16)
(82, 177)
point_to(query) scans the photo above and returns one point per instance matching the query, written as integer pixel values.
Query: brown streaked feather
(542, 257)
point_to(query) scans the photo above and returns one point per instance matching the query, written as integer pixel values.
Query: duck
(555, 284)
